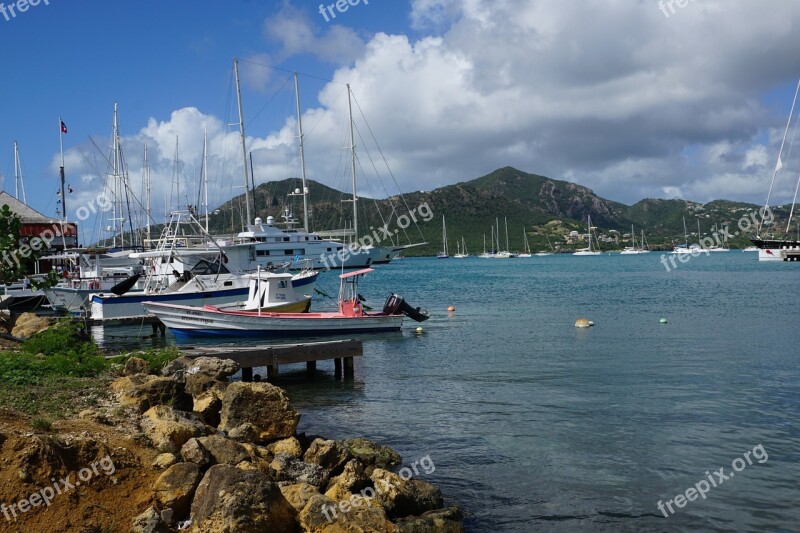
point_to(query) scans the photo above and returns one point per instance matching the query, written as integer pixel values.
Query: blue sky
(610, 94)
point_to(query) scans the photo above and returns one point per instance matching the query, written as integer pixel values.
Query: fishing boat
(589, 250)
(443, 253)
(351, 317)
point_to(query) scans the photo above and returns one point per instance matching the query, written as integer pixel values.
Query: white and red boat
(351, 317)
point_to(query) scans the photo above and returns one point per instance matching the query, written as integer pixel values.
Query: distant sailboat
(462, 249)
(544, 253)
(443, 254)
(589, 250)
(634, 250)
(527, 249)
(485, 254)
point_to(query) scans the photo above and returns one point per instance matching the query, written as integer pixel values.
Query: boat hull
(777, 250)
(190, 321)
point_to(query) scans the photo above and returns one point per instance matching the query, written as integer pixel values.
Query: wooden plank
(283, 354)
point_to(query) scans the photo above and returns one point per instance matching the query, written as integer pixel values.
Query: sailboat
(527, 249)
(543, 253)
(634, 250)
(462, 249)
(685, 248)
(443, 254)
(503, 254)
(489, 254)
(589, 250)
(717, 247)
(783, 248)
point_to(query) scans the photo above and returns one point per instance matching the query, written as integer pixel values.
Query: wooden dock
(275, 355)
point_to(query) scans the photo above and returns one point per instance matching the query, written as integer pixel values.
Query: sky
(632, 98)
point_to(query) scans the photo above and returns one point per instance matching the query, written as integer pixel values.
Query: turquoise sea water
(533, 424)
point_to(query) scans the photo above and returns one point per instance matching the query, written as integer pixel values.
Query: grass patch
(54, 397)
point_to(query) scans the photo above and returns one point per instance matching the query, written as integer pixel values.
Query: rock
(355, 516)
(28, 324)
(169, 429)
(144, 392)
(373, 455)
(450, 520)
(148, 522)
(258, 452)
(337, 492)
(175, 487)
(164, 461)
(232, 500)
(401, 497)
(208, 404)
(224, 450)
(353, 477)
(263, 405)
(244, 433)
(298, 494)
(328, 454)
(289, 468)
(194, 452)
(91, 414)
(176, 367)
(290, 447)
(135, 365)
(204, 373)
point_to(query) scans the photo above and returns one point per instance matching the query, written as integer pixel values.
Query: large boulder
(224, 451)
(208, 404)
(233, 500)
(194, 452)
(328, 454)
(402, 497)
(204, 373)
(148, 522)
(352, 479)
(175, 488)
(29, 324)
(357, 515)
(136, 365)
(298, 494)
(143, 392)
(288, 468)
(373, 455)
(261, 405)
(450, 520)
(169, 429)
(290, 446)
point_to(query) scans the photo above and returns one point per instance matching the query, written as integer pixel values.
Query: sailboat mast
(19, 181)
(302, 151)
(244, 141)
(148, 189)
(115, 143)
(779, 164)
(353, 163)
(61, 129)
(205, 172)
(505, 221)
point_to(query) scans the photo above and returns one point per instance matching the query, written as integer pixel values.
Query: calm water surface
(536, 425)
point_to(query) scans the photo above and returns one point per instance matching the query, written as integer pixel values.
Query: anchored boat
(351, 317)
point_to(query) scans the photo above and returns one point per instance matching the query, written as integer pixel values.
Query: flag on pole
(63, 127)
(779, 165)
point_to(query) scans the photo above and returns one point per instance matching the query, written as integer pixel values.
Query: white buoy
(420, 330)
(583, 323)
(663, 321)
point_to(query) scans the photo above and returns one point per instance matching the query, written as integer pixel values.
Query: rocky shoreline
(196, 452)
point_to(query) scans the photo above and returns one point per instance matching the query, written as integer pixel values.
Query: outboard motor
(395, 305)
